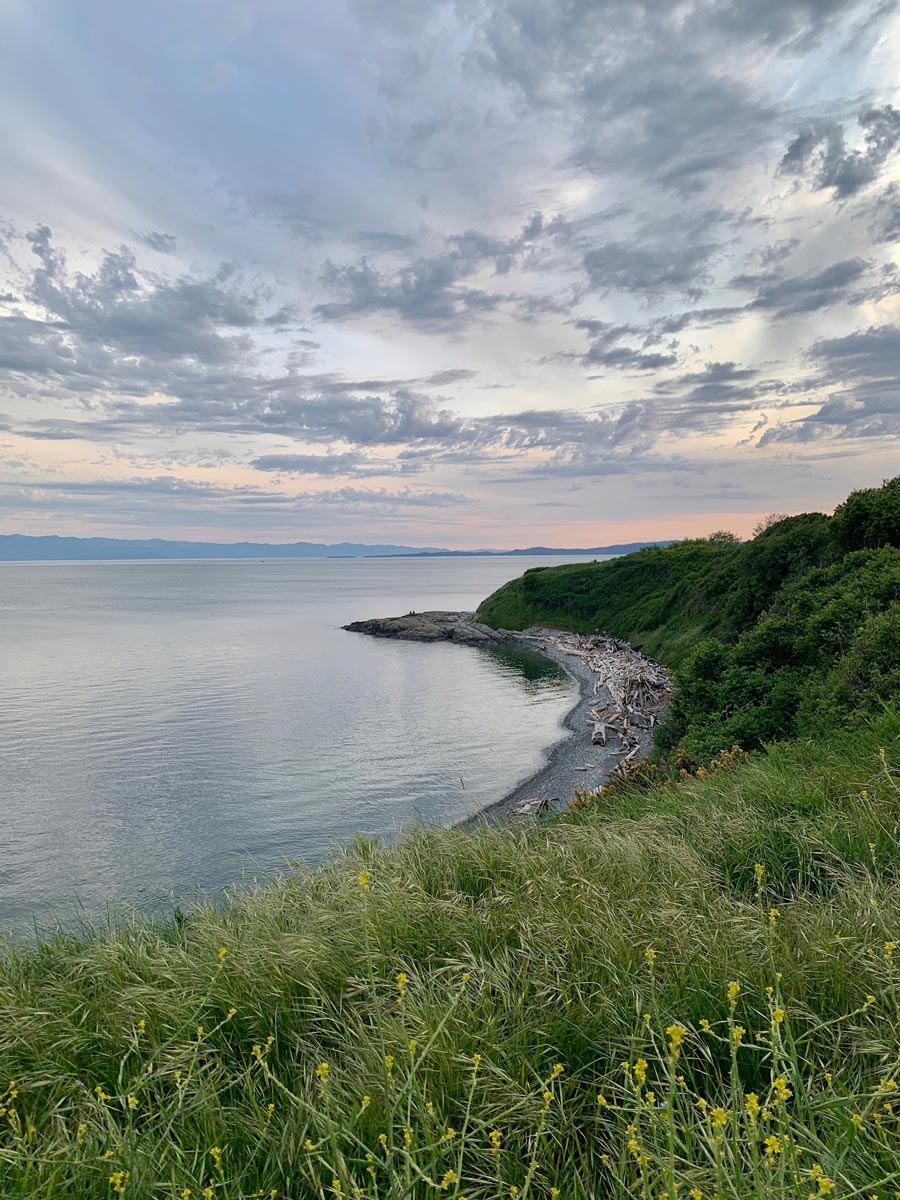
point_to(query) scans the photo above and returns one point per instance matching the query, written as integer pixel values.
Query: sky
(484, 273)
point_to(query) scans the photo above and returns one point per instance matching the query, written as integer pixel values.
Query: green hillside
(796, 630)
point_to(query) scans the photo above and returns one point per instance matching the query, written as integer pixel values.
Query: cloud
(863, 369)
(682, 268)
(606, 349)
(864, 354)
(325, 465)
(147, 490)
(162, 243)
(115, 314)
(432, 291)
(885, 215)
(786, 297)
(820, 154)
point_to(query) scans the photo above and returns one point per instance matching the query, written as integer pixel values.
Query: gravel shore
(563, 773)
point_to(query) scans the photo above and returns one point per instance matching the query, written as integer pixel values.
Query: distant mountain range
(620, 548)
(16, 547)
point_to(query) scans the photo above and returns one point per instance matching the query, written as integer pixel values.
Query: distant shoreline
(20, 548)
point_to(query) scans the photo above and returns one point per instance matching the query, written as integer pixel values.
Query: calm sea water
(172, 725)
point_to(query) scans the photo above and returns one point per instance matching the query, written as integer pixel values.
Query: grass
(690, 991)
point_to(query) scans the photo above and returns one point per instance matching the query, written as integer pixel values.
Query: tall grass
(691, 992)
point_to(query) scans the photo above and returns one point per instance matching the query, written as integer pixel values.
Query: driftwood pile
(631, 690)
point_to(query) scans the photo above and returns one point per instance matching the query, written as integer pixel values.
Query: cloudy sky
(483, 272)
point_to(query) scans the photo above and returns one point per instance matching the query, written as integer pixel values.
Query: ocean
(173, 726)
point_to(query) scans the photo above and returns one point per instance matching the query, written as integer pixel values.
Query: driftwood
(632, 690)
(529, 808)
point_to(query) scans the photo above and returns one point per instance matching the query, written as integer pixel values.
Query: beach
(579, 760)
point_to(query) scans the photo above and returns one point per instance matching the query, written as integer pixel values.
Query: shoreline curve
(600, 730)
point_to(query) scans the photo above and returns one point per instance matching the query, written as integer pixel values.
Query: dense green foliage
(869, 518)
(666, 599)
(795, 631)
(397, 1031)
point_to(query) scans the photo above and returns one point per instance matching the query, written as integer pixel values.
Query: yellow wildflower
(496, 1138)
(782, 1091)
(719, 1117)
(650, 956)
(363, 879)
(751, 1104)
(308, 1146)
(640, 1071)
(215, 1153)
(733, 990)
(450, 1177)
(365, 1102)
(119, 1181)
(676, 1034)
(759, 870)
(132, 1102)
(389, 1062)
(402, 981)
(601, 1100)
(737, 1035)
(773, 1144)
(223, 952)
(777, 1016)
(774, 914)
(695, 1194)
(705, 1025)
(322, 1072)
(558, 1069)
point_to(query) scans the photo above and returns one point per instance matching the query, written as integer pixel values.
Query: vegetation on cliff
(796, 631)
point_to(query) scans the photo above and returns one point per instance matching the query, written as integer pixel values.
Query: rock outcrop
(460, 627)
